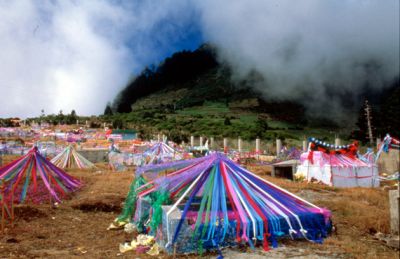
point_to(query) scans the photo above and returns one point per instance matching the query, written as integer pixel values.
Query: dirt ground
(78, 227)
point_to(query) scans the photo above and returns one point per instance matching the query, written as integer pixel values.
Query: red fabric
(22, 172)
(180, 188)
(34, 176)
(238, 239)
(311, 157)
(265, 243)
(351, 151)
(260, 213)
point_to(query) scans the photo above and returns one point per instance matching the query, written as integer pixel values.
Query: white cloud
(64, 55)
(305, 49)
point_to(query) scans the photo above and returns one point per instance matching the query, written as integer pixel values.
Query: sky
(64, 55)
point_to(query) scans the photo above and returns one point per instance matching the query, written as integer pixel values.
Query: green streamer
(130, 201)
(162, 198)
(209, 201)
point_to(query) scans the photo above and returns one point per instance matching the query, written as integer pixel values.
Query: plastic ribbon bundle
(32, 176)
(387, 143)
(130, 204)
(47, 148)
(152, 172)
(368, 157)
(142, 176)
(223, 200)
(70, 158)
(160, 153)
(116, 161)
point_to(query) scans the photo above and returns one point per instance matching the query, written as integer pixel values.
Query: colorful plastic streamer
(219, 196)
(70, 158)
(33, 177)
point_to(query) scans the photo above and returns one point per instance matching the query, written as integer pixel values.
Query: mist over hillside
(190, 78)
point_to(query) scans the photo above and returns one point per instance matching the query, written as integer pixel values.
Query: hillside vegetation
(191, 93)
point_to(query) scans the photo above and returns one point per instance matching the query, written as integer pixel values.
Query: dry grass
(366, 209)
(358, 213)
(9, 158)
(78, 226)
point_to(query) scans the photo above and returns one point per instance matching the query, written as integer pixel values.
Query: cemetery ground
(78, 227)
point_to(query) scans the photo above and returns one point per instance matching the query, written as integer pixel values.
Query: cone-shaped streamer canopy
(70, 158)
(32, 177)
(214, 194)
(160, 153)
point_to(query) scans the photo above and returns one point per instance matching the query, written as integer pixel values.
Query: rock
(379, 236)
(12, 240)
(130, 228)
(394, 200)
(393, 242)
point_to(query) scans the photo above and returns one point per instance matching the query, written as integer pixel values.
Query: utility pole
(369, 118)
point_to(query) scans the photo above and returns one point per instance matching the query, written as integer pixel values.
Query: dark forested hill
(190, 78)
(175, 71)
(195, 86)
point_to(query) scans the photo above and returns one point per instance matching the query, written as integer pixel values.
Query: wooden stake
(2, 206)
(12, 206)
(51, 206)
(369, 124)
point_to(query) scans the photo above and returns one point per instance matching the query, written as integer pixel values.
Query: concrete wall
(394, 211)
(233, 143)
(95, 156)
(388, 163)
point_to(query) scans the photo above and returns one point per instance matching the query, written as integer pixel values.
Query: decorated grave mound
(211, 202)
(387, 144)
(48, 148)
(143, 175)
(33, 178)
(120, 161)
(70, 158)
(389, 164)
(337, 166)
(159, 153)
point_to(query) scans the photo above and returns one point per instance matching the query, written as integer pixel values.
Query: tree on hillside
(108, 110)
(261, 126)
(118, 123)
(71, 118)
(365, 123)
(60, 117)
(390, 112)
(177, 136)
(176, 70)
(143, 133)
(42, 116)
(227, 121)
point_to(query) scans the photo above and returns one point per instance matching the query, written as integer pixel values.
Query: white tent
(337, 166)
(338, 170)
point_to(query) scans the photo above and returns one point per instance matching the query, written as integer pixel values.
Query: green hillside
(191, 93)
